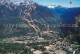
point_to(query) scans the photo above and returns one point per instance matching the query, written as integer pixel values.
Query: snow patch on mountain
(51, 6)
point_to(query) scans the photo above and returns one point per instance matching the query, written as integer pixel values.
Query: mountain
(20, 18)
(67, 14)
(26, 18)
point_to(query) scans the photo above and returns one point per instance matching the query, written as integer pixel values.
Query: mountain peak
(17, 2)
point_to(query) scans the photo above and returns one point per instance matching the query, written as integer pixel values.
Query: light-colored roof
(60, 52)
(37, 52)
(41, 38)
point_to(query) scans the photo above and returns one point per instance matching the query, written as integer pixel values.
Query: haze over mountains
(68, 14)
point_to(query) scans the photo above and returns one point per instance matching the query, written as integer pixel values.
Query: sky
(64, 3)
